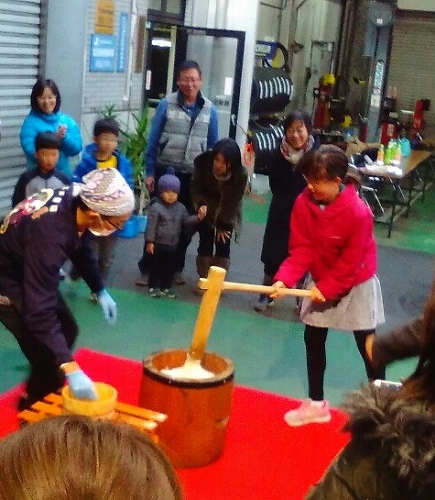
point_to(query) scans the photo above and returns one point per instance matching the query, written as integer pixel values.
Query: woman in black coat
(218, 184)
(286, 183)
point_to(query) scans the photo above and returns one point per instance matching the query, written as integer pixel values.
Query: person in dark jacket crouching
(218, 184)
(36, 238)
(391, 452)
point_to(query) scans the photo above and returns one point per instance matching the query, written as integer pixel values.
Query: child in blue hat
(167, 218)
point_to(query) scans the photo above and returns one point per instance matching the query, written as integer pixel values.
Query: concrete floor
(267, 349)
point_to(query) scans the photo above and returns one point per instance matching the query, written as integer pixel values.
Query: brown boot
(222, 262)
(203, 264)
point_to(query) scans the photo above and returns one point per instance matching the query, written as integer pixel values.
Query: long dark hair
(421, 384)
(38, 89)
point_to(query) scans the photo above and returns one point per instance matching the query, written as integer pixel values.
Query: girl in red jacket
(331, 239)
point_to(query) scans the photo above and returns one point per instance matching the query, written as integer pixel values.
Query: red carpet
(264, 459)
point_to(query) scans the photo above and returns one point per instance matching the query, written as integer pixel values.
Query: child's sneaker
(264, 301)
(308, 412)
(154, 293)
(167, 292)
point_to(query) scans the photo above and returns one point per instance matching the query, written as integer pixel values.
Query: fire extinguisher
(323, 93)
(417, 122)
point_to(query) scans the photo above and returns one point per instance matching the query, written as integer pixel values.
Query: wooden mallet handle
(203, 284)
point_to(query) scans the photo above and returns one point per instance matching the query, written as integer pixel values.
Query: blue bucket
(130, 229)
(141, 222)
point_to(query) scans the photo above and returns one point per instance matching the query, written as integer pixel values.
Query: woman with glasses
(45, 116)
(286, 183)
(36, 238)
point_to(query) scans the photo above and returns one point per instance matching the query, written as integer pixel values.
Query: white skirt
(361, 309)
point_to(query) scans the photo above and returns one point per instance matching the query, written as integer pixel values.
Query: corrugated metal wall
(19, 57)
(412, 70)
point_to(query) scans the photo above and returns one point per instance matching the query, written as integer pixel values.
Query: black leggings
(315, 339)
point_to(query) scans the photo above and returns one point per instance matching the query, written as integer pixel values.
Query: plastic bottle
(397, 153)
(388, 155)
(405, 146)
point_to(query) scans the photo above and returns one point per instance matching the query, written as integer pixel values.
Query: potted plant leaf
(133, 145)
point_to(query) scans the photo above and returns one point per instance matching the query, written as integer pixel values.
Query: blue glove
(109, 306)
(81, 385)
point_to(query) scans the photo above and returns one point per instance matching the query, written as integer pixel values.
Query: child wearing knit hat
(167, 218)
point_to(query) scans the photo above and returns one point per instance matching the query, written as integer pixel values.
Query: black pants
(209, 246)
(185, 199)
(162, 269)
(315, 339)
(45, 374)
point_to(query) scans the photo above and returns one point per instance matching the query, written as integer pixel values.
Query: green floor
(268, 352)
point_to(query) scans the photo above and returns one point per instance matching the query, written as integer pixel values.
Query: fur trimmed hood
(405, 429)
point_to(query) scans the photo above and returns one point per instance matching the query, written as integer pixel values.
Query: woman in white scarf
(286, 183)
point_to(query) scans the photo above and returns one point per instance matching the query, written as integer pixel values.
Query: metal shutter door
(19, 58)
(412, 68)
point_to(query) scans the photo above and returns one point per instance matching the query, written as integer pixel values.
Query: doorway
(218, 52)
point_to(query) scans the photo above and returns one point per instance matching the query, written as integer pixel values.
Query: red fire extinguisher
(321, 117)
(417, 122)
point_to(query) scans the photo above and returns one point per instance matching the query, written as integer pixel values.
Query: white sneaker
(307, 413)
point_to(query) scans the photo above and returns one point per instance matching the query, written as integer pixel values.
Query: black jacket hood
(405, 429)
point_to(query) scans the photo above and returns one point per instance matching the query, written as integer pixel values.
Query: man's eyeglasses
(186, 81)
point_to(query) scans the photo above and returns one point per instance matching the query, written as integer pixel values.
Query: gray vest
(181, 141)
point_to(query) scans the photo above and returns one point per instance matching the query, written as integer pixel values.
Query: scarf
(293, 155)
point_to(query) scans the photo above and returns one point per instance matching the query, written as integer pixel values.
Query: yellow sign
(104, 16)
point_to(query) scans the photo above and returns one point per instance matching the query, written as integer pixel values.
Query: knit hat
(106, 191)
(169, 182)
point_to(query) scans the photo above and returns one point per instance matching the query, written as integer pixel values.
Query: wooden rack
(141, 418)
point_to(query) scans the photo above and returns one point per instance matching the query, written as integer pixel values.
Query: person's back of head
(47, 140)
(106, 125)
(78, 458)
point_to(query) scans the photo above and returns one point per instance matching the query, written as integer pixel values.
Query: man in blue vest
(185, 124)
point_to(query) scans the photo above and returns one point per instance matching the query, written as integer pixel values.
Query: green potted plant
(132, 144)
